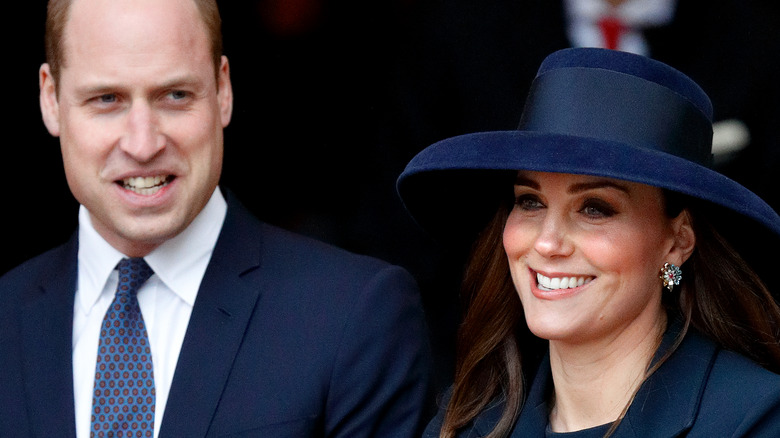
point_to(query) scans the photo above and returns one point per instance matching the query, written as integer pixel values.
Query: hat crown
(589, 112)
(620, 97)
(634, 65)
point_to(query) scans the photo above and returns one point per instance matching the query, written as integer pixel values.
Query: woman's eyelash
(598, 208)
(528, 201)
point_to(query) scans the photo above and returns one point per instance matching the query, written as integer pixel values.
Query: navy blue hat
(589, 111)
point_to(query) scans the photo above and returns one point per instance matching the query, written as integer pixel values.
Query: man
(253, 331)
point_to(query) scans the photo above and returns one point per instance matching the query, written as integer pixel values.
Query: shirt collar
(179, 263)
(634, 13)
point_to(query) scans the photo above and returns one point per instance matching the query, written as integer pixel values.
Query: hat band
(607, 105)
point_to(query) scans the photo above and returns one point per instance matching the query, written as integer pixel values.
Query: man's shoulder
(21, 283)
(38, 267)
(287, 244)
(284, 249)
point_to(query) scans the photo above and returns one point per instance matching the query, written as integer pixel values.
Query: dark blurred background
(333, 97)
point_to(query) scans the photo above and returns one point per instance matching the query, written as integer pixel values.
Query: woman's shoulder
(737, 372)
(703, 390)
(739, 396)
(740, 379)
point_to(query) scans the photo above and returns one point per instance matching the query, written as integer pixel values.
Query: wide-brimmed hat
(589, 111)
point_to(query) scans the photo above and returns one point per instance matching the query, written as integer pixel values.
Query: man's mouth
(148, 185)
(556, 283)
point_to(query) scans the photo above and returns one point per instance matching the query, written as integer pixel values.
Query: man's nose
(142, 139)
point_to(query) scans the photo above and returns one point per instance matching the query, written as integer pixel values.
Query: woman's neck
(595, 382)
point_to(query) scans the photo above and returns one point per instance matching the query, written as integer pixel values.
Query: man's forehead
(96, 20)
(134, 43)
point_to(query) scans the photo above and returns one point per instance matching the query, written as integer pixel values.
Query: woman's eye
(597, 208)
(528, 202)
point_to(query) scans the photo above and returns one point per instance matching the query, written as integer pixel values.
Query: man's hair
(57, 18)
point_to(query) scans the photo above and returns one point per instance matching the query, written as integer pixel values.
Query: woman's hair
(720, 295)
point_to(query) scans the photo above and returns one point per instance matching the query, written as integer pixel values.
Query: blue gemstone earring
(671, 275)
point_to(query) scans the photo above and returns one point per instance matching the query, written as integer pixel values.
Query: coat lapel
(667, 403)
(222, 310)
(665, 406)
(533, 417)
(47, 332)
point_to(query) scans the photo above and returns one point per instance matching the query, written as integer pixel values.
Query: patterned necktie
(124, 395)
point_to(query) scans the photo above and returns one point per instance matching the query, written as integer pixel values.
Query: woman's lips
(565, 282)
(558, 286)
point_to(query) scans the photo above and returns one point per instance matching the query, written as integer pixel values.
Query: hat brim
(454, 186)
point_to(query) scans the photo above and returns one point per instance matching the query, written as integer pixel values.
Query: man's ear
(50, 107)
(225, 92)
(684, 239)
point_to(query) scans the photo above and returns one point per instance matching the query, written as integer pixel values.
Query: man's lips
(146, 185)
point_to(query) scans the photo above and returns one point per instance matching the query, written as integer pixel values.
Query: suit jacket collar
(226, 300)
(665, 405)
(46, 323)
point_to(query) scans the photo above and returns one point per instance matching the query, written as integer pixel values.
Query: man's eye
(107, 98)
(178, 94)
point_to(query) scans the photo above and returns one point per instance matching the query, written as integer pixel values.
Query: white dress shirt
(166, 301)
(583, 16)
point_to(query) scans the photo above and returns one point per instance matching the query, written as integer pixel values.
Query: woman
(604, 297)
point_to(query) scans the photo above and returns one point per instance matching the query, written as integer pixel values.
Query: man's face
(140, 115)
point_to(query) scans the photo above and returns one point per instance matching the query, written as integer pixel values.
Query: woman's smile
(584, 252)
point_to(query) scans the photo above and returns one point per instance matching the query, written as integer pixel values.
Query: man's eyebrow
(97, 89)
(107, 87)
(180, 81)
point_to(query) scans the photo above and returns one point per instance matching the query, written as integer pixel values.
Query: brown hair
(57, 17)
(497, 352)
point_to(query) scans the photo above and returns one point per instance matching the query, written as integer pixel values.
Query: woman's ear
(684, 238)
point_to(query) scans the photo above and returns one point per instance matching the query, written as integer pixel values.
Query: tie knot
(133, 273)
(612, 29)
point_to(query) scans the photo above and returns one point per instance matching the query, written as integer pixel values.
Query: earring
(671, 275)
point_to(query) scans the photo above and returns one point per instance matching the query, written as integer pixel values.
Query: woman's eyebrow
(599, 184)
(523, 181)
(577, 187)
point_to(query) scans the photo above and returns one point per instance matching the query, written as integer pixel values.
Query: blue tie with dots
(124, 395)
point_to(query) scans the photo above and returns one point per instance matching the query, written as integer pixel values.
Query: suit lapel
(47, 333)
(222, 310)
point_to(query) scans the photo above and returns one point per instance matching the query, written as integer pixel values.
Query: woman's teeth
(148, 185)
(547, 283)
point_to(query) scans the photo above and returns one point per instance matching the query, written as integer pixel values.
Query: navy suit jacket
(700, 391)
(288, 337)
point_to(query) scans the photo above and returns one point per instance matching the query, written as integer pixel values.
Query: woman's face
(585, 253)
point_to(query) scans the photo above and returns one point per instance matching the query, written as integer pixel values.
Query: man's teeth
(148, 185)
(547, 283)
